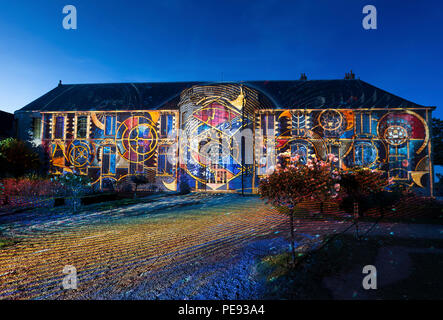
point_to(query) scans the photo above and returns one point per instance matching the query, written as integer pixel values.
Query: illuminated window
(110, 125)
(36, 128)
(217, 174)
(59, 127)
(163, 165)
(363, 122)
(267, 124)
(82, 126)
(108, 162)
(166, 124)
(299, 122)
(47, 126)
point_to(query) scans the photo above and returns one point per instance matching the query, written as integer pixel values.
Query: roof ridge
(314, 93)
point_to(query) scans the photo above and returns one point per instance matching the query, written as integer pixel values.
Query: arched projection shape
(410, 122)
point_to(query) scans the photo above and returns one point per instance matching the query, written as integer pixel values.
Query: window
(267, 124)
(59, 127)
(110, 126)
(36, 128)
(363, 123)
(166, 124)
(108, 162)
(164, 165)
(47, 126)
(82, 126)
(218, 174)
(366, 125)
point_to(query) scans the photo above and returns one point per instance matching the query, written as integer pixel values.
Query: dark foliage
(17, 158)
(437, 141)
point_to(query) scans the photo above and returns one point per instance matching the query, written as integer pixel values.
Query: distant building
(112, 131)
(6, 125)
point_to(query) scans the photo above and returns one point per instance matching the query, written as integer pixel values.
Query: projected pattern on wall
(214, 117)
(393, 141)
(112, 146)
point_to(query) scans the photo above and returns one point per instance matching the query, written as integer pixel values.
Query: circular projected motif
(331, 120)
(80, 153)
(365, 154)
(396, 135)
(137, 139)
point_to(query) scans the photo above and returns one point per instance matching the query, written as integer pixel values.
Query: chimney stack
(350, 76)
(303, 77)
(60, 83)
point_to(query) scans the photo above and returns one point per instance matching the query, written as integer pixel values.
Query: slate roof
(165, 95)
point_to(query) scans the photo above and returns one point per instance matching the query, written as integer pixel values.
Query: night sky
(169, 40)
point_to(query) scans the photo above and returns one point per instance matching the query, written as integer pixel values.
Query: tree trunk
(355, 209)
(356, 216)
(291, 218)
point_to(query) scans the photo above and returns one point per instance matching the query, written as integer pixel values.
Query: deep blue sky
(172, 40)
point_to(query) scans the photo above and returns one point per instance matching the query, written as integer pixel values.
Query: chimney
(350, 76)
(303, 77)
(60, 83)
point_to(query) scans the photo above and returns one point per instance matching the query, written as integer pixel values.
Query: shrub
(17, 158)
(28, 188)
(367, 189)
(74, 186)
(139, 180)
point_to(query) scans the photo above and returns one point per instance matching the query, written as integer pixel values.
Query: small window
(366, 123)
(82, 126)
(47, 126)
(267, 124)
(59, 127)
(110, 126)
(109, 160)
(166, 124)
(164, 165)
(37, 128)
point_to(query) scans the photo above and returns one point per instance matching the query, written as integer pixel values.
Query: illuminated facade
(195, 132)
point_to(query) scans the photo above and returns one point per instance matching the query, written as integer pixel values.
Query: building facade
(224, 137)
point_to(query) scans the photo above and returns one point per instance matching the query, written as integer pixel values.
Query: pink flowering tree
(294, 182)
(327, 182)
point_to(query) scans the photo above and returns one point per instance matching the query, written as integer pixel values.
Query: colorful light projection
(211, 155)
(214, 154)
(395, 142)
(111, 146)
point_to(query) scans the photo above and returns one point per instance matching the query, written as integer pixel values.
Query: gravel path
(176, 247)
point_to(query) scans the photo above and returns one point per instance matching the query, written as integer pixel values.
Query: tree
(362, 189)
(326, 183)
(437, 141)
(17, 157)
(293, 182)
